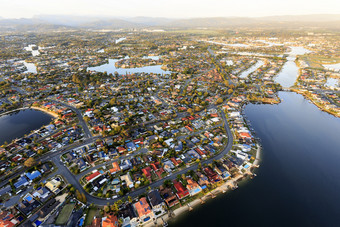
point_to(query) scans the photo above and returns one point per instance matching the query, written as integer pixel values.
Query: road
(80, 117)
(74, 180)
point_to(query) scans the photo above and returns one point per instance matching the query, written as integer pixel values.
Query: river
(17, 124)
(298, 181)
(290, 71)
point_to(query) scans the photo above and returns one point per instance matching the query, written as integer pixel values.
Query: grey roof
(155, 198)
(5, 190)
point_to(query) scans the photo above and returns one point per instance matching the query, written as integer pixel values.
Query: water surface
(252, 69)
(19, 123)
(298, 181)
(111, 68)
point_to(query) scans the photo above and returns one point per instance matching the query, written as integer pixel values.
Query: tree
(106, 209)
(113, 101)
(30, 162)
(130, 199)
(190, 111)
(219, 101)
(83, 198)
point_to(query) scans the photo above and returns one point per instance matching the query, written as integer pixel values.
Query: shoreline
(45, 111)
(229, 185)
(52, 114)
(314, 102)
(31, 107)
(12, 111)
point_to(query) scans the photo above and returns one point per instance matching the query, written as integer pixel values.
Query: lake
(298, 181)
(111, 68)
(19, 123)
(31, 68)
(30, 48)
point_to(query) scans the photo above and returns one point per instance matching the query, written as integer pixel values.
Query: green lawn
(90, 215)
(65, 214)
(316, 61)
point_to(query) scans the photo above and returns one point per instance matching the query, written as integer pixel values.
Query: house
(53, 185)
(128, 215)
(95, 174)
(203, 180)
(193, 187)
(222, 171)
(33, 175)
(45, 168)
(156, 202)
(5, 190)
(22, 181)
(81, 164)
(169, 197)
(131, 146)
(147, 172)
(125, 165)
(7, 219)
(121, 150)
(48, 208)
(213, 177)
(110, 221)
(115, 168)
(42, 193)
(96, 222)
(144, 211)
(168, 166)
(181, 191)
(127, 179)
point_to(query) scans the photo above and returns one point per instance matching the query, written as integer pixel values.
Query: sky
(167, 8)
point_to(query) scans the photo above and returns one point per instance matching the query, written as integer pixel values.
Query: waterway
(298, 181)
(111, 68)
(31, 68)
(30, 48)
(252, 69)
(332, 82)
(290, 71)
(19, 123)
(335, 67)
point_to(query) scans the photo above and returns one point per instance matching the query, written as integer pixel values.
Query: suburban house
(181, 191)
(110, 221)
(144, 211)
(156, 202)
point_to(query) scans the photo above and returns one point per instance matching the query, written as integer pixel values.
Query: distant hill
(150, 21)
(110, 24)
(55, 22)
(261, 22)
(25, 24)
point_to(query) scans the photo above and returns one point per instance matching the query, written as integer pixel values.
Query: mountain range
(47, 22)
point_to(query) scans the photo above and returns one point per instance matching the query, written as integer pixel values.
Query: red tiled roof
(181, 190)
(92, 176)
